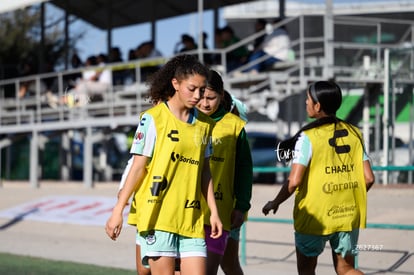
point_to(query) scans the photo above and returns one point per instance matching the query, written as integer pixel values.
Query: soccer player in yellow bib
(330, 175)
(232, 172)
(170, 172)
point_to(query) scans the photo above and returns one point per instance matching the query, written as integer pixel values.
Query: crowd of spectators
(275, 44)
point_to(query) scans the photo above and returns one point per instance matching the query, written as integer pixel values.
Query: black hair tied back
(286, 147)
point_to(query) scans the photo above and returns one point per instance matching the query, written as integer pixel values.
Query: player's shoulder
(203, 117)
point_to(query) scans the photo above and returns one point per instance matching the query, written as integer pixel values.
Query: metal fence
(243, 238)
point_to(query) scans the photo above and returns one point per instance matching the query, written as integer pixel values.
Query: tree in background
(23, 51)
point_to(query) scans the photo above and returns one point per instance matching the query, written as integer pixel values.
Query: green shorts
(343, 243)
(156, 243)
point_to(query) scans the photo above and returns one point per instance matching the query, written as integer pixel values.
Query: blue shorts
(217, 246)
(156, 243)
(343, 243)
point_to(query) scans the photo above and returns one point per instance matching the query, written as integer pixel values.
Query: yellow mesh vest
(332, 196)
(169, 198)
(225, 135)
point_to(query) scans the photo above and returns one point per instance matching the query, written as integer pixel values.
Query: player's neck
(178, 109)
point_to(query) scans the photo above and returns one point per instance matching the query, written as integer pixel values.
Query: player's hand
(216, 227)
(270, 205)
(113, 226)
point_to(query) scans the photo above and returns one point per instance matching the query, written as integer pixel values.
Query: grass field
(22, 265)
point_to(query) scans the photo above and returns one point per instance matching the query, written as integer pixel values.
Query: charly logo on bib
(173, 136)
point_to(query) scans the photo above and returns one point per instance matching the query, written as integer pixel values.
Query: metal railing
(243, 239)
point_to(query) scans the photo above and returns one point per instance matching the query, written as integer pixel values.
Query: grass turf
(23, 265)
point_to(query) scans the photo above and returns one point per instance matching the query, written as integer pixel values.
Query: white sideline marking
(83, 210)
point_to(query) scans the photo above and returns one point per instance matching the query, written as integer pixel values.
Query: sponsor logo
(139, 136)
(154, 201)
(340, 211)
(346, 168)
(150, 238)
(218, 159)
(159, 184)
(173, 135)
(177, 157)
(218, 195)
(192, 204)
(340, 149)
(330, 187)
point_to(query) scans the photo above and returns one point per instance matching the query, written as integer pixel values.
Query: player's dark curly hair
(179, 67)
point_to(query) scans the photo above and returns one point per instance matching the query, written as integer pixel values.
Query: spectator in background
(26, 69)
(218, 44)
(115, 56)
(186, 44)
(28, 86)
(259, 26)
(236, 57)
(144, 50)
(204, 39)
(147, 50)
(150, 50)
(130, 73)
(208, 58)
(89, 73)
(97, 84)
(76, 61)
(69, 80)
(131, 54)
(276, 45)
(94, 83)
